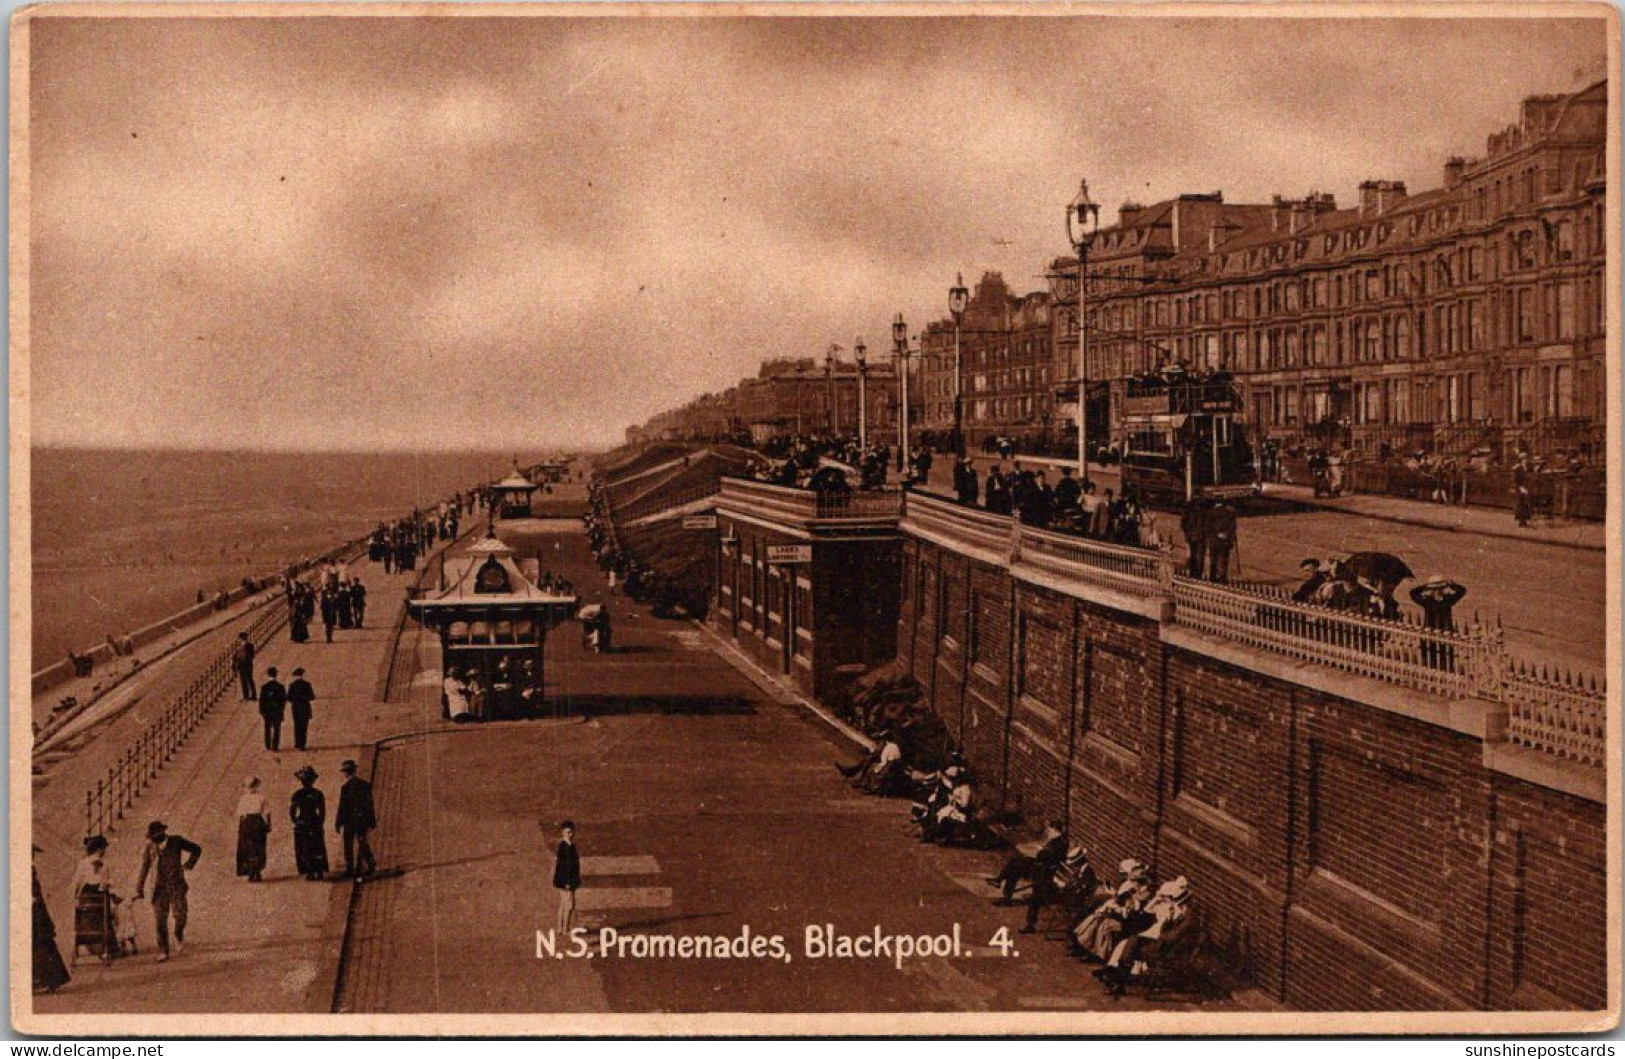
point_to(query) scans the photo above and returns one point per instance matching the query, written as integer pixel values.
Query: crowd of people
(1069, 506)
(640, 581)
(400, 543)
(822, 463)
(106, 917)
(1133, 927)
(507, 689)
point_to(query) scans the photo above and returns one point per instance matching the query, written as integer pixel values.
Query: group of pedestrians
(1069, 506)
(1209, 527)
(355, 820)
(340, 601)
(276, 700)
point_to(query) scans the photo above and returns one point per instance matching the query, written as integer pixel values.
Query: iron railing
(1556, 712)
(114, 794)
(1449, 664)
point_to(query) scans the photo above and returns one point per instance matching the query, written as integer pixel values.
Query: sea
(123, 538)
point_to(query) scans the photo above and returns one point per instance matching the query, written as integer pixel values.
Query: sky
(473, 232)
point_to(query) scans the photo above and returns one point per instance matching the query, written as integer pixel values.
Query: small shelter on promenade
(549, 471)
(510, 498)
(492, 622)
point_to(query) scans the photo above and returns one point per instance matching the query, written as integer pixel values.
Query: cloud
(517, 232)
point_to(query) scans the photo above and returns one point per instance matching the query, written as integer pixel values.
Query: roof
(463, 582)
(516, 481)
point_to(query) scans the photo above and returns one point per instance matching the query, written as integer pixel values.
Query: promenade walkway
(1454, 518)
(1521, 576)
(266, 947)
(706, 805)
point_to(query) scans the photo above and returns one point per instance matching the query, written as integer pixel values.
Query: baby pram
(100, 929)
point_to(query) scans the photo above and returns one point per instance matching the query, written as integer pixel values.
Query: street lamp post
(860, 351)
(958, 298)
(1082, 224)
(899, 343)
(829, 390)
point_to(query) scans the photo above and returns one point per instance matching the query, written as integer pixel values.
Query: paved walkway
(706, 806)
(267, 947)
(1521, 579)
(1479, 521)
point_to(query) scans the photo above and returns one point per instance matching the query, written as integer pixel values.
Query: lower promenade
(266, 947)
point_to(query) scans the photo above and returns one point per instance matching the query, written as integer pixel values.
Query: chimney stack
(1453, 171)
(1379, 196)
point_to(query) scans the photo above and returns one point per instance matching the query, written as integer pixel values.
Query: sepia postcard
(814, 519)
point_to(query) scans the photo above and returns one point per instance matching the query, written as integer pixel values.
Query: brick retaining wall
(1348, 853)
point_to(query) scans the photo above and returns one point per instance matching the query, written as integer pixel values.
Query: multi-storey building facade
(1467, 315)
(1005, 366)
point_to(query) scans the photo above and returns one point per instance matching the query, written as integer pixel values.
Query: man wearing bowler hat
(355, 819)
(163, 858)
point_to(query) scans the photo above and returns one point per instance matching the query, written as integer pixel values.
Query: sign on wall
(699, 522)
(789, 553)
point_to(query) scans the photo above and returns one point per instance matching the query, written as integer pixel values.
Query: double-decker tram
(1186, 437)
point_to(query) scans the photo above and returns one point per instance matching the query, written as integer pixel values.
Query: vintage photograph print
(817, 519)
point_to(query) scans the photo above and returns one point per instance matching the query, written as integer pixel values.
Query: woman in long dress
(308, 809)
(50, 973)
(1100, 931)
(253, 829)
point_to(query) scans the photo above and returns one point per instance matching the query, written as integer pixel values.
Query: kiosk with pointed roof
(510, 498)
(493, 622)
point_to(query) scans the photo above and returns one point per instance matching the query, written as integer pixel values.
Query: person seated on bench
(456, 694)
(934, 790)
(877, 770)
(1097, 934)
(954, 815)
(1021, 868)
(1077, 886)
(1165, 925)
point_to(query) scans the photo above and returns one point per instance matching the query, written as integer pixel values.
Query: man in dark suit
(1221, 540)
(242, 660)
(1193, 524)
(162, 858)
(273, 703)
(330, 612)
(356, 818)
(300, 696)
(567, 875)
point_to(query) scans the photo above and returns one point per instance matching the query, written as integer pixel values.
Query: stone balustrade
(1560, 715)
